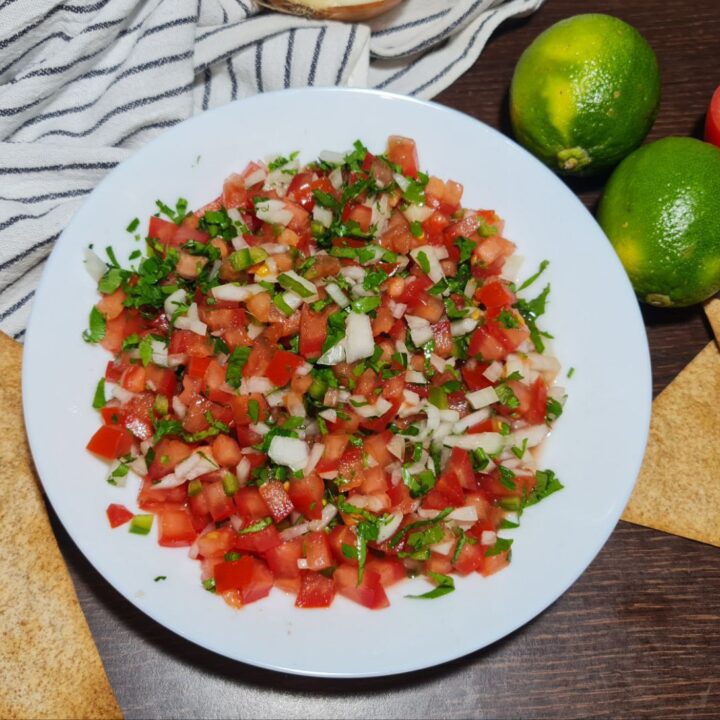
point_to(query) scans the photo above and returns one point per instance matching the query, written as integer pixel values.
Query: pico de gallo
(327, 379)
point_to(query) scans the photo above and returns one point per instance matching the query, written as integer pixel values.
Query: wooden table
(637, 636)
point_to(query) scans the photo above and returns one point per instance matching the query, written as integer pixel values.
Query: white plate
(596, 448)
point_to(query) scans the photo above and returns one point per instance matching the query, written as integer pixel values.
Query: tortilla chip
(678, 490)
(50, 665)
(712, 310)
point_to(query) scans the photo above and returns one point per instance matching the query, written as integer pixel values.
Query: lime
(661, 211)
(585, 93)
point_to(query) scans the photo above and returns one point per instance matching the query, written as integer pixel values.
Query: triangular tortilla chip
(50, 665)
(678, 490)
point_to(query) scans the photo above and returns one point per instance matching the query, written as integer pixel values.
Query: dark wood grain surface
(637, 636)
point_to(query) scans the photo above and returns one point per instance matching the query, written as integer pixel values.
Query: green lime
(661, 211)
(585, 93)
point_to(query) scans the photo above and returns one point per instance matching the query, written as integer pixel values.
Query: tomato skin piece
(249, 575)
(118, 515)
(277, 500)
(712, 119)
(110, 442)
(258, 542)
(282, 367)
(175, 528)
(316, 591)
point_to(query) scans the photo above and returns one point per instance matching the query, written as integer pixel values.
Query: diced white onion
(323, 215)
(333, 356)
(337, 295)
(139, 466)
(376, 410)
(462, 327)
(511, 267)
(199, 463)
(291, 452)
(172, 302)
(435, 272)
(482, 398)
(472, 419)
(418, 213)
(490, 442)
(433, 417)
(314, 458)
(275, 399)
(336, 178)
(443, 548)
(255, 177)
(353, 273)
(178, 407)
(470, 287)
(123, 395)
(302, 563)
(534, 434)
(402, 181)
(196, 326)
(388, 528)
(359, 341)
(397, 309)
(242, 471)
(328, 513)
(396, 446)
(515, 364)
(421, 335)
(558, 393)
(254, 329)
(543, 363)
(309, 286)
(176, 360)
(273, 211)
(488, 537)
(94, 265)
(292, 300)
(295, 531)
(236, 293)
(449, 415)
(159, 353)
(415, 377)
(238, 242)
(255, 384)
(260, 428)
(494, 371)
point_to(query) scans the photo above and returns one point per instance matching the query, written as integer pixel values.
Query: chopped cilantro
(445, 585)
(97, 327)
(99, 397)
(235, 365)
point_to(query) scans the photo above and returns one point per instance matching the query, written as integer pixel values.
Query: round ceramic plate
(596, 448)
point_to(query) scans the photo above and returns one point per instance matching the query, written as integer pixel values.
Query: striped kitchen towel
(85, 82)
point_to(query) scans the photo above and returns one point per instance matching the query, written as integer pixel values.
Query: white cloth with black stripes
(83, 83)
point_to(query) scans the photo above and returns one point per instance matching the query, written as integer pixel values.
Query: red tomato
(538, 403)
(234, 192)
(283, 558)
(250, 505)
(277, 500)
(187, 342)
(168, 453)
(300, 190)
(162, 230)
(472, 372)
(403, 152)
(377, 447)
(163, 380)
(712, 120)
(241, 409)
(250, 576)
(118, 515)
(152, 498)
(495, 294)
(258, 542)
(175, 528)
(342, 535)
(317, 551)
(369, 592)
(226, 451)
(389, 570)
(306, 494)
(471, 557)
(216, 543)
(449, 487)
(489, 348)
(313, 331)
(110, 442)
(282, 367)
(360, 214)
(220, 505)
(316, 591)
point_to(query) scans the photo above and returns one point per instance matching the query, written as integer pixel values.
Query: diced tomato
(471, 558)
(168, 453)
(313, 331)
(216, 543)
(162, 230)
(538, 403)
(306, 494)
(316, 591)
(473, 375)
(282, 367)
(153, 498)
(260, 541)
(495, 563)
(400, 498)
(133, 379)
(241, 408)
(495, 294)
(283, 558)
(389, 570)
(461, 465)
(415, 289)
(220, 505)
(277, 500)
(712, 119)
(369, 592)
(247, 437)
(163, 380)
(360, 214)
(234, 192)
(317, 551)
(440, 564)
(249, 575)
(175, 528)
(186, 342)
(110, 442)
(118, 515)
(448, 485)
(443, 339)
(374, 481)
(380, 423)
(197, 366)
(342, 535)
(377, 447)
(483, 344)
(250, 505)
(403, 152)
(226, 451)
